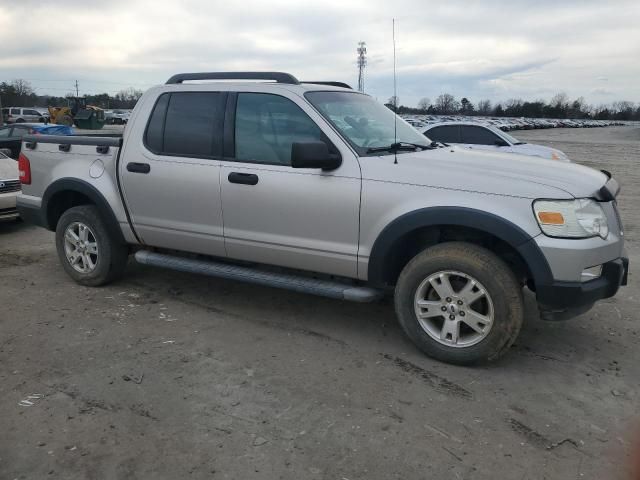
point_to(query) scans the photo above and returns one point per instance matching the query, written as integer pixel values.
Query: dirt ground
(167, 375)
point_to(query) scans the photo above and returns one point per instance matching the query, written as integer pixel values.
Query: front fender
(479, 220)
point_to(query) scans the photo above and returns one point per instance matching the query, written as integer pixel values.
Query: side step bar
(323, 288)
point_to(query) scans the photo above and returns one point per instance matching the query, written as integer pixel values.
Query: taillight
(24, 169)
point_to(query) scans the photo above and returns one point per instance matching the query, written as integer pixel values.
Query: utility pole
(362, 62)
(77, 94)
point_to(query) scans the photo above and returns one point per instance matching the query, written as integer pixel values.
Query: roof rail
(333, 84)
(278, 77)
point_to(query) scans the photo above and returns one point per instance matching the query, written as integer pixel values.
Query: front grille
(8, 211)
(7, 186)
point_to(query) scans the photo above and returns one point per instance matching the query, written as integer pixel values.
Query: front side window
(4, 132)
(187, 124)
(362, 121)
(444, 134)
(478, 136)
(267, 125)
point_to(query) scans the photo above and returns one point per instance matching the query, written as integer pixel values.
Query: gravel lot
(169, 375)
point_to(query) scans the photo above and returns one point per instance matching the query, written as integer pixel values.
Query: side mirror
(313, 155)
(501, 143)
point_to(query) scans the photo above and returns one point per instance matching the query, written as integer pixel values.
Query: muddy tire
(459, 303)
(88, 252)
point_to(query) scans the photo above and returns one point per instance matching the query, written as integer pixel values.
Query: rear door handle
(243, 178)
(138, 167)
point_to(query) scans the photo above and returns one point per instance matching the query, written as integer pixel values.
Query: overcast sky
(480, 49)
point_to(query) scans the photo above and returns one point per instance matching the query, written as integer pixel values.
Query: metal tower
(362, 62)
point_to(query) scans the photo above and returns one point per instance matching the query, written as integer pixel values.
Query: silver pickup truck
(314, 187)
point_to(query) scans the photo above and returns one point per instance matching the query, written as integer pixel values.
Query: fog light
(591, 273)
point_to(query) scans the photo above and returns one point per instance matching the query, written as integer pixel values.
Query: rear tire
(459, 303)
(88, 252)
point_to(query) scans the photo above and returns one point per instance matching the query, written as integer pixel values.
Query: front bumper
(8, 206)
(561, 300)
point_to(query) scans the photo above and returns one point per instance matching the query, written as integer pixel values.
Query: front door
(275, 214)
(171, 180)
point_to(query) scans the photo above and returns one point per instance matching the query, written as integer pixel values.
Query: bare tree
(484, 107)
(560, 100)
(424, 104)
(446, 104)
(22, 88)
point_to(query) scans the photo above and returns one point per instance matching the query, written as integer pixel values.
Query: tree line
(20, 93)
(560, 106)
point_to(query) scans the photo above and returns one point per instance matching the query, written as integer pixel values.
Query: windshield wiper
(398, 146)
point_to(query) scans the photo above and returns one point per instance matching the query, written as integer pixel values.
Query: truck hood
(487, 172)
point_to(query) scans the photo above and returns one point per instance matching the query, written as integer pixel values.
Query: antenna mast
(395, 90)
(362, 62)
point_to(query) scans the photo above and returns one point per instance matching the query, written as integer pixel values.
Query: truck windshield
(364, 122)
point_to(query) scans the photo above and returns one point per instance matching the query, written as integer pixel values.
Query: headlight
(581, 218)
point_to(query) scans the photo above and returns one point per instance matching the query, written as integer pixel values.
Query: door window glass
(187, 124)
(478, 136)
(266, 127)
(444, 134)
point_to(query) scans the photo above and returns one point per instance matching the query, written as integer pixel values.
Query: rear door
(275, 214)
(170, 172)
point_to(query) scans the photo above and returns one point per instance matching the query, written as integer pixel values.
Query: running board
(323, 288)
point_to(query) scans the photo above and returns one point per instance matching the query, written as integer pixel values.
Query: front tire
(88, 252)
(459, 303)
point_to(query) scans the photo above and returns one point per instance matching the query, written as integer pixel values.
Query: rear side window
(31, 112)
(4, 132)
(266, 127)
(187, 124)
(445, 134)
(15, 111)
(478, 136)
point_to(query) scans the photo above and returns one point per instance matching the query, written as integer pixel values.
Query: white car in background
(476, 136)
(9, 186)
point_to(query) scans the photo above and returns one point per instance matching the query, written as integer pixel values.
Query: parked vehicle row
(508, 124)
(117, 117)
(344, 198)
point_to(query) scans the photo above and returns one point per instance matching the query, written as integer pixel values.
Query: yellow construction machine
(79, 113)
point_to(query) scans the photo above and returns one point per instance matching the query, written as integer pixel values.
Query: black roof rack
(278, 77)
(333, 84)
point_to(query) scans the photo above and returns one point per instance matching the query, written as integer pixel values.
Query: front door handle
(138, 167)
(243, 178)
